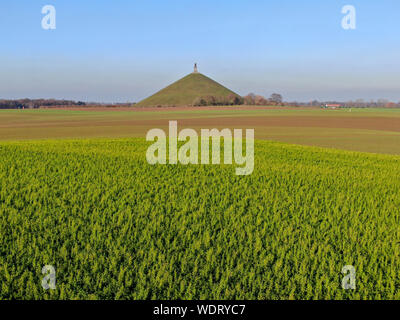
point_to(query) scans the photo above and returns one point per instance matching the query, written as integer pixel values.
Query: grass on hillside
(184, 91)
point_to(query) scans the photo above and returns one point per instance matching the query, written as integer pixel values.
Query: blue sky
(117, 51)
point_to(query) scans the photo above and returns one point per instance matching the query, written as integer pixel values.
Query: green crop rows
(115, 227)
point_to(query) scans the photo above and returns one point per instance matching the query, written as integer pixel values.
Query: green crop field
(115, 227)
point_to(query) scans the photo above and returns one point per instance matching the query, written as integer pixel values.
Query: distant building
(332, 106)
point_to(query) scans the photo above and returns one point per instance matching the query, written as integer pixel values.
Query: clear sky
(117, 51)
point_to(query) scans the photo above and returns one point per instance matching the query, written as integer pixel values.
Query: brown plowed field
(370, 130)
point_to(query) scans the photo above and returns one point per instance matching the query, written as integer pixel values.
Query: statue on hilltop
(195, 68)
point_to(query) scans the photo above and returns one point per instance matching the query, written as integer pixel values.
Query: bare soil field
(369, 130)
(146, 109)
(384, 124)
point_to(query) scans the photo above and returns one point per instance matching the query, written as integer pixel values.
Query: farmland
(366, 130)
(77, 193)
(116, 227)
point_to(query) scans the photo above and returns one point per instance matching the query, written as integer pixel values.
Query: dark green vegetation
(115, 227)
(187, 90)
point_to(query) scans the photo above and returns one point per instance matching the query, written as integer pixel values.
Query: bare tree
(250, 99)
(276, 97)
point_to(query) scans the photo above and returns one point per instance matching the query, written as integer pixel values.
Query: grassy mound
(185, 91)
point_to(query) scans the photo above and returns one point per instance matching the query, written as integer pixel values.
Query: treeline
(229, 100)
(37, 103)
(360, 103)
(257, 100)
(251, 100)
(276, 100)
